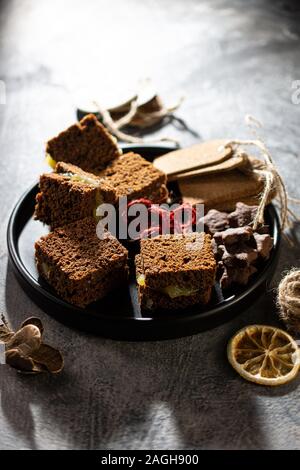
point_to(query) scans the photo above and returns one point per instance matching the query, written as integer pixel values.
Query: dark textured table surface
(229, 58)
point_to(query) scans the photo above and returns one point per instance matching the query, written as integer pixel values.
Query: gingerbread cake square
(86, 144)
(175, 271)
(134, 177)
(69, 194)
(79, 266)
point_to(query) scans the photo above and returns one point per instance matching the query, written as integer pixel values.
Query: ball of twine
(288, 300)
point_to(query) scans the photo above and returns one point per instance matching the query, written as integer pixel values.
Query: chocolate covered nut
(244, 257)
(221, 251)
(243, 215)
(238, 248)
(215, 221)
(218, 250)
(232, 236)
(236, 276)
(247, 256)
(264, 244)
(215, 250)
(218, 238)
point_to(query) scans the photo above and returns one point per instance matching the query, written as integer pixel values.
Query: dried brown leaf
(26, 340)
(49, 357)
(17, 360)
(5, 331)
(34, 321)
(25, 350)
(5, 334)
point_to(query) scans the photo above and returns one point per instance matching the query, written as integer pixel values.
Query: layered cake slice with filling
(175, 271)
(79, 266)
(70, 194)
(134, 177)
(86, 144)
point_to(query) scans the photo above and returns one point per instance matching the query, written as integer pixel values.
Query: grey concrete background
(229, 58)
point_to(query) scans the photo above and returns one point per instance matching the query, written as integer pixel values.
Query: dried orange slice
(264, 354)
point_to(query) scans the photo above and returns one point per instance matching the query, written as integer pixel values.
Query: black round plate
(119, 316)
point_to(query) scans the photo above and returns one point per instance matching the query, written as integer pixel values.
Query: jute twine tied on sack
(271, 177)
(288, 300)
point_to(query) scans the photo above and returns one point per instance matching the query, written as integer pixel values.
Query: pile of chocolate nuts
(238, 248)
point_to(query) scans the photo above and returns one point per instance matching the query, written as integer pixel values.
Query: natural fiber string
(126, 119)
(288, 300)
(270, 175)
(272, 180)
(115, 126)
(162, 113)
